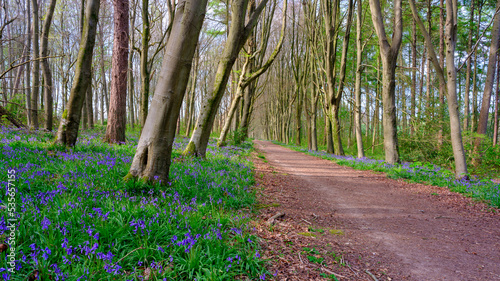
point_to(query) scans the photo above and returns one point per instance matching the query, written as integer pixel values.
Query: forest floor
(345, 224)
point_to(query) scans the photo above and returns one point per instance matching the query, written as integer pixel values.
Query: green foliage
(236, 137)
(76, 199)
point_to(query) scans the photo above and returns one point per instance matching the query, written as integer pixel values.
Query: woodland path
(413, 231)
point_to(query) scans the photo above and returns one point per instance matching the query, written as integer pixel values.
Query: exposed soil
(368, 227)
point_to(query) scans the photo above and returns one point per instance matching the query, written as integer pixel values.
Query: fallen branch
(331, 272)
(140, 248)
(11, 118)
(272, 219)
(371, 275)
(306, 221)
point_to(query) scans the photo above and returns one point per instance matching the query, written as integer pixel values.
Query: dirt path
(399, 230)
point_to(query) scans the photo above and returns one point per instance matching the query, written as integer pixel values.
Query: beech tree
(389, 53)
(237, 37)
(67, 133)
(47, 73)
(152, 158)
(451, 83)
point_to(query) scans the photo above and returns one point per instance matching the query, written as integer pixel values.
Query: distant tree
(238, 34)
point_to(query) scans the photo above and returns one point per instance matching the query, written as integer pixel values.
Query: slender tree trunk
(104, 93)
(145, 75)
(329, 136)
(131, 68)
(192, 95)
(298, 118)
(89, 105)
(238, 35)
(488, 86)
(68, 128)
(474, 118)
(497, 107)
(469, 68)
(442, 86)
(359, 72)
(29, 109)
(152, 159)
(456, 134)
(414, 77)
(389, 55)
(451, 73)
(36, 66)
(47, 74)
(115, 130)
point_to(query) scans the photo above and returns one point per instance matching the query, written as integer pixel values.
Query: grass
(78, 220)
(481, 189)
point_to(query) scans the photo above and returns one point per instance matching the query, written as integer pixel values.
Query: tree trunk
(104, 93)
(357, 90)
(441, 85)
(145, 75)
(456, 134)
(152, 159)
(68, 128)
(469, 68)
(389, 55)
(451, 73)
(192, 95)
(131, 69)
(36, 66)
(497, 105)
(414, 77)
(238, 35)
(488, 86)
(47, 74)
(89, 104)
(117, 123)
(29, 109)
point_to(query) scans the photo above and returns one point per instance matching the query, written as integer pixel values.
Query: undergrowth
(78, 220)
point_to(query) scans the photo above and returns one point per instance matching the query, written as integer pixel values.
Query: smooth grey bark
(70, 121)
(359, 72)
(238, 35)
(152, 159)
(389, 54)
(47, 74)
(117, 119)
